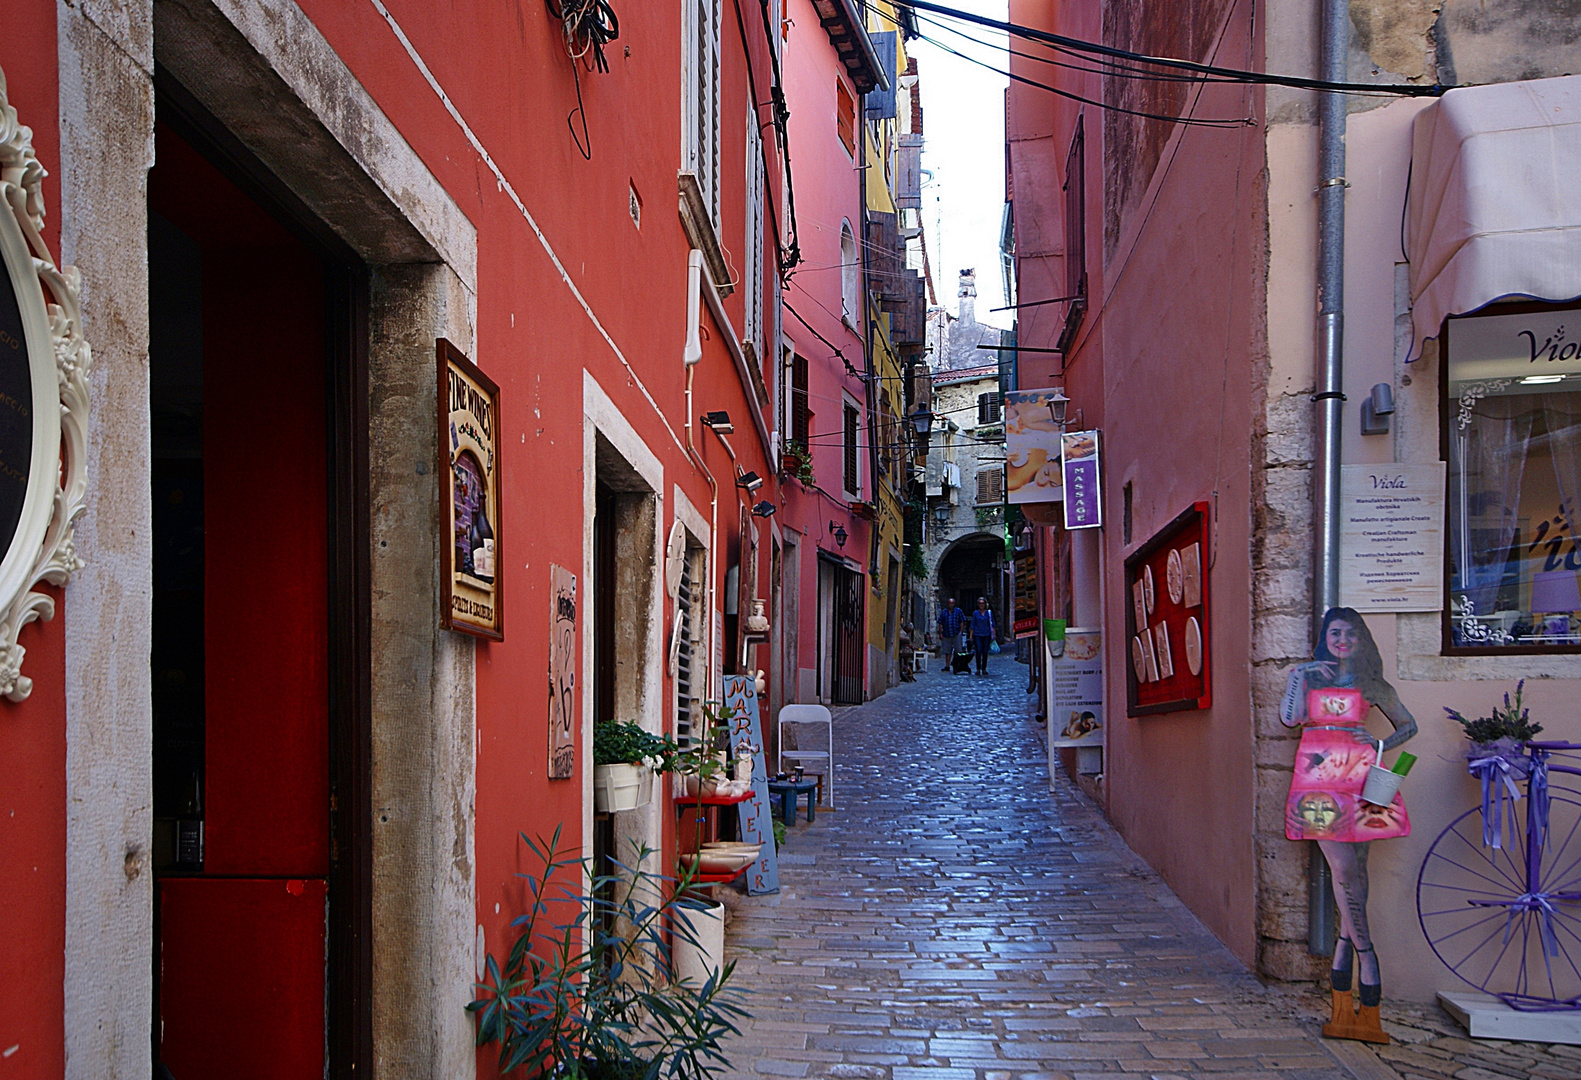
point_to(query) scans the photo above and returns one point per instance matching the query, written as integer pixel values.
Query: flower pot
(1381, 787)
(699, 943)
(621, 787)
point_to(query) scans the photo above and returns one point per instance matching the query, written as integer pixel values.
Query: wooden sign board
(562, 673)
(757, 822)
(1168, 662)
(472, 570)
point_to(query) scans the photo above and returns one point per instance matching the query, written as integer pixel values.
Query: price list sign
(1079, 463)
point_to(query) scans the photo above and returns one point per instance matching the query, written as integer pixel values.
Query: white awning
(1494, 207)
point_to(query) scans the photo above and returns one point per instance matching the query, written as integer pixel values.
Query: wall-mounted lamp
(1376, 408)
(720, 422)
(941, 513)
(764, 509)
(839, 533)
(1059, 405)
(751, 481)
(922, 421)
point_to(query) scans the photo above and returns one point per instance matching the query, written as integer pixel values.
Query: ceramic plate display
(1193, 646)
(1149, 597)
(1148, 658)
(1191, 583)
(1166, 663)
(1175, 577)
(1139, 605)
(1138, 659)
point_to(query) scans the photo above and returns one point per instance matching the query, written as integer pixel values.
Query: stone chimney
(967, 298)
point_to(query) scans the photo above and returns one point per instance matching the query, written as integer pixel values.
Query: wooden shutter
(988, 408)
(852, 431)
(990, 487)
(845, 118)
(801, 414)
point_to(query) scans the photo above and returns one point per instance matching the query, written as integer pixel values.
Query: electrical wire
(1222, 74)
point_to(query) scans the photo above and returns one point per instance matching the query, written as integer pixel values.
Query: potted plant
(796, 464)
(589, 989)
(625, 758)
(1497, 758)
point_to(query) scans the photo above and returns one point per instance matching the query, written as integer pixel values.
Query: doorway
(260, 749)
(841, 640)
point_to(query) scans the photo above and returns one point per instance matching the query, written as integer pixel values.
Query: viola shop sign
(1392, 537)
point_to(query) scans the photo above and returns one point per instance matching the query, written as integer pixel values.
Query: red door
(241, 634)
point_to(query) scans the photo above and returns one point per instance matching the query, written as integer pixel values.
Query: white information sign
(1392, 537)
(1076, 718)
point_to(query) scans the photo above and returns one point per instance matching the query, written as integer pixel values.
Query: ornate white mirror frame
(58, 359)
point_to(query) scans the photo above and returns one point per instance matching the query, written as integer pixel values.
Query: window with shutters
(1075, 236)
(852, 432)
(988, 408)
(845, 116)
(990, 487)
(753, 286)
(690, 662)
(700, 80)
(850, 277)
(801, 412)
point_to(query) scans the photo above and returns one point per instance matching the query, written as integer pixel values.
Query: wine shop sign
(44, 365)
(471, 570)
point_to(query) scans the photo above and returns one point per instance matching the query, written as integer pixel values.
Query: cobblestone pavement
(955, 919)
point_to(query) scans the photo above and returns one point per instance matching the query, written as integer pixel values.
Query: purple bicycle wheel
(1499, 933)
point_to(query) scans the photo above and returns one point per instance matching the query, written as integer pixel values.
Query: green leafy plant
(988, 515)
(779, 834)
(622, 742)
(595, 997)
(916, 565)
(796, 463)
(1509, 722)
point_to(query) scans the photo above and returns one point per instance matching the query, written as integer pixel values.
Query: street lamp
(1059, 405)
(941, 513)
(839, 533)
(922, 421)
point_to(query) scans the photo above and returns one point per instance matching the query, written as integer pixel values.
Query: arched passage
(970, 567)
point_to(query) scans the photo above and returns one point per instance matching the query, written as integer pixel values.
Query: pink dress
(1331, 768)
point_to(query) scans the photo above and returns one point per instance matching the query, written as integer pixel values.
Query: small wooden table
(789, 792)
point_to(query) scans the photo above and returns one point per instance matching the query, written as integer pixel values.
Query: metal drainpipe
(1329, 398)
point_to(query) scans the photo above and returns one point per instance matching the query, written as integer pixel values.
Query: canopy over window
(1494, 206)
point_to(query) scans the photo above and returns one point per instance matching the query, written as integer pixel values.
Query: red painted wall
(33, 733)
(1149, 369)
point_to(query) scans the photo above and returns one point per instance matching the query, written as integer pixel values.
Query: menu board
(1076, 716)
(1392, 537)
(1166, 619)
(1026, 606)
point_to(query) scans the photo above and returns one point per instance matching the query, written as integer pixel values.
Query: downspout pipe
(1329, 398)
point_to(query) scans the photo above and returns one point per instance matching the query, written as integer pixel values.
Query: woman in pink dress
(1329, 699)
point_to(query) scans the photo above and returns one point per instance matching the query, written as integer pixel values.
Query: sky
(963, 129)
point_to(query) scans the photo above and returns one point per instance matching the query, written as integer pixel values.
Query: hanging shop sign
(753, 816)
(562, 673)
(1079, 462)
(1392, 537)
(471, 571)
(1032, 447)
(44, 364)
(1026, 581)
(1076, 713)
(1166, 619)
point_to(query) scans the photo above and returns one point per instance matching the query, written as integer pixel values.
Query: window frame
(754, 215)
(850, 447)
(1075, 189)
(700, 100)
(845, 120)
(850, 277)
(1447, 647)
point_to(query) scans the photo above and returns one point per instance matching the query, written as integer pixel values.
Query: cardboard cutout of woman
(1329, 699)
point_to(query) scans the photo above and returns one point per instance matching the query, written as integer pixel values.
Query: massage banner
(1032, 448)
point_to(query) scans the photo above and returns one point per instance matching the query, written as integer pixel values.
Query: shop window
(1512, 438)
(852, 432)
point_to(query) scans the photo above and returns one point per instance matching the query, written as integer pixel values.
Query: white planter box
(621, 787)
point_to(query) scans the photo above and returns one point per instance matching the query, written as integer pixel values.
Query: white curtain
(1490, 457)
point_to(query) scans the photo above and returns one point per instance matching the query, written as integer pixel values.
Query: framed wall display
(472, 573)
(1166, 619)
(44, 364)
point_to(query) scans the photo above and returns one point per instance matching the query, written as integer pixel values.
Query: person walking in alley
(952, 620)
(982, 633)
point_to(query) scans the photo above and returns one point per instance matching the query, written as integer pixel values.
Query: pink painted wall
(1162, 370)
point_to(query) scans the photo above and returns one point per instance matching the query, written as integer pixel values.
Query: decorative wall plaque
(562, 673)
(472, 572)
(1167, 626)
(44, 364)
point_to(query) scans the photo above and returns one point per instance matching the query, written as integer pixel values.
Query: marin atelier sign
(44, 365)
(471, 570)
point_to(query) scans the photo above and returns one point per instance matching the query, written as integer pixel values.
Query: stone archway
(973, 566)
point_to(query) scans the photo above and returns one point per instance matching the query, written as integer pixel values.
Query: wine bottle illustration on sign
(482, 543)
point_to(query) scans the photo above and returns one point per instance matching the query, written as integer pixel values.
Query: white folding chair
(806, 719)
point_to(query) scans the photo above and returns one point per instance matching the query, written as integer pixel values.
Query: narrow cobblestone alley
(954, 919)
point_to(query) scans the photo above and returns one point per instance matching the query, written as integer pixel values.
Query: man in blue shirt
(952, 620)
(982, 633)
